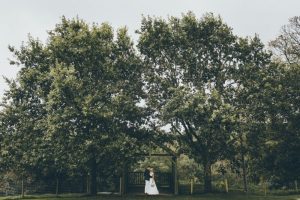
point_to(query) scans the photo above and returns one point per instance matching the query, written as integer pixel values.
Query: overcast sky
(18, 18)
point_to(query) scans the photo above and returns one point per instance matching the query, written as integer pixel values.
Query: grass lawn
(166, 197)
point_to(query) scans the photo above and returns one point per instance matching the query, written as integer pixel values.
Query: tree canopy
(88, 99)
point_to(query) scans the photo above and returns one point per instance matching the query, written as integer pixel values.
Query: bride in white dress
(152, 188)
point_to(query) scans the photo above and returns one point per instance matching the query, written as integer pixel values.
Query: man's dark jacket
(147, 175)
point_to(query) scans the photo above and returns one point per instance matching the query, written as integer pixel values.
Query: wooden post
(226, 185)
(87, 184)
(121, 186)
(296, 185)
(57, 182)
(192, 185)
(262, 180)
(265, 187)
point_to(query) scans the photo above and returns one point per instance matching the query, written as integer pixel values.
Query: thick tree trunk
(93, 169)
(244, 174)
(207, 177)
(244, 168)
(22, 187)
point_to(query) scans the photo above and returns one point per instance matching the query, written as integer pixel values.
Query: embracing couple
(150, 185)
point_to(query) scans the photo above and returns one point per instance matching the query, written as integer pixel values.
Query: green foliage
(74, 103)
(286, 45)
(188, 169)
(195, 69)
(86, 101)
(273, 109)
(282, 143)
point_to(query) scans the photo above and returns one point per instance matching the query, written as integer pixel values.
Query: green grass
(165, 197)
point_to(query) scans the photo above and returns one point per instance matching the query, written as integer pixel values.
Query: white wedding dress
(151, 187)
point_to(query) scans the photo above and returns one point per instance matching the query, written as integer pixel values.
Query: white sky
(18, 18)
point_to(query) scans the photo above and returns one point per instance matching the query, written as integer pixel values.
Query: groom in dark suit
(147, 179)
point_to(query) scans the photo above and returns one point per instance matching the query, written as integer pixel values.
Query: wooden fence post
(56, 190)
(192, 185)
(296, 185)
(265, 187)
(121, 186)
(226, 185)
(87, 184)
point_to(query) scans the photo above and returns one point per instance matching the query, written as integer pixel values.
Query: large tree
(282, 103)
(272, 110)
(280, 100)
(78, 96)
(191, 79)
(246, 99)
(287, 44)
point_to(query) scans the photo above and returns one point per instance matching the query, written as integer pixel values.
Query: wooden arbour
(124, 181)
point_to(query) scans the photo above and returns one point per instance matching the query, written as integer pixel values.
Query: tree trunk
(244, 174)
(244, 168)
(207, 177)
(93, 176)
(175, 175)
(22, 187)
(123, 183)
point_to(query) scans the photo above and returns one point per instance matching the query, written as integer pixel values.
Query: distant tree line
(89, 99)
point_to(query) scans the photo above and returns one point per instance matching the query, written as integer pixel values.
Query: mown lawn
(165, 197)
